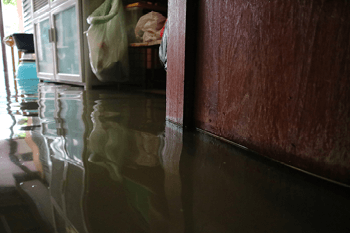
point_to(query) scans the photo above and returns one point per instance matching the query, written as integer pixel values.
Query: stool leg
(13, 61)
(19, 55)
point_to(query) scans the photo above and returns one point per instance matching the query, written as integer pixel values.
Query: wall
(273, 76)
(20, 16)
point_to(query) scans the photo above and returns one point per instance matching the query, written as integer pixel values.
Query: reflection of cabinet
(62, 127)
(61, 46)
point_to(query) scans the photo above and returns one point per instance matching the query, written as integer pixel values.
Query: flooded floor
(107, 161)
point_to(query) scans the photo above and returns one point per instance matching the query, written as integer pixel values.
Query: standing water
(107, 161)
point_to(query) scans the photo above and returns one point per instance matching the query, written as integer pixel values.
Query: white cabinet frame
(36, 22)
(63, 76)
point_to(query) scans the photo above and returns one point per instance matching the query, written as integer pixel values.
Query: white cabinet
(60, 43)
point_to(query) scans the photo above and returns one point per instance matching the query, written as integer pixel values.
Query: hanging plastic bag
(163, 46)
(108, 43)
(149, 26)
(162, 31)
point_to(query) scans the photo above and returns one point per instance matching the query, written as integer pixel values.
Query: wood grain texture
(274, 76)
(176, 60)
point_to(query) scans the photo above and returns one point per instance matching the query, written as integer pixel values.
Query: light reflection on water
(106, 161)
(18, 101)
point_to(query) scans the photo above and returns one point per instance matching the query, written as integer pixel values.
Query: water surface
(107, 161)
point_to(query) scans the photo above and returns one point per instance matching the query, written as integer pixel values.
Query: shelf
(148, 6)
(145, 44)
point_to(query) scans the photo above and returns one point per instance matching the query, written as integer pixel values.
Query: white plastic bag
(108, 43)
(163, 48)
(149, 26)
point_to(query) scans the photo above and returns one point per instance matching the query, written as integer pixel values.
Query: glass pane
(44, 53)
(67, 41)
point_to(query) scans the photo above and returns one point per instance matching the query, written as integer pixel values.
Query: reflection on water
(106, 161)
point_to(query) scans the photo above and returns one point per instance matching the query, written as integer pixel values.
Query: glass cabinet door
(67, 42)
(44, 50)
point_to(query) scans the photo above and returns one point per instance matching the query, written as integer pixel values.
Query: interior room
(174, 116)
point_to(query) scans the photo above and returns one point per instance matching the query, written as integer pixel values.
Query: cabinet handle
(52, 35)
(54, 39)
